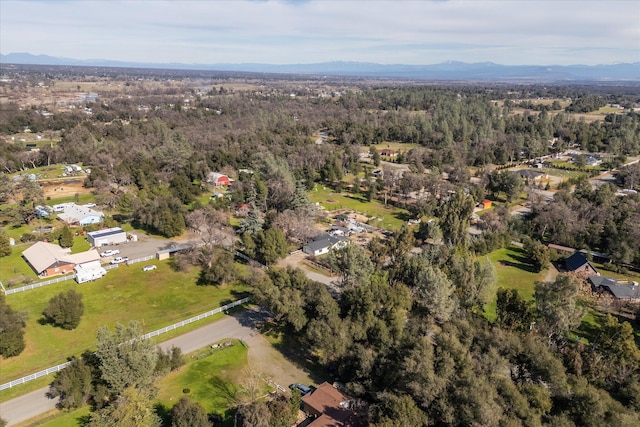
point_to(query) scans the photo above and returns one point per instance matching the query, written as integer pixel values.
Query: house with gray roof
(74, 214)
(623, 291)
(323, 243)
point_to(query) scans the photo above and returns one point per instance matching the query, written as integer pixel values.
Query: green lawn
(156, 299)
(212, 377)
(514, 272)
(65, 419)
(392, 217)
(82, 199)
(14, 270)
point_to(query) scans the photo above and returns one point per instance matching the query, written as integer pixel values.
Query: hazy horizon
(313, 31)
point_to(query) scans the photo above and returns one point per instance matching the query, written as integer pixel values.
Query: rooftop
(618, 290)
(106, 232)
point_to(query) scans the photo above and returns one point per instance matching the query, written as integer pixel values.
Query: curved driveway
(240, 326)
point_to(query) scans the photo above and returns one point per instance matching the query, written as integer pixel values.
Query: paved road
(240, 326)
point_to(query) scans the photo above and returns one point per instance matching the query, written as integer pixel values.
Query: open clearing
(212, 377)
(513, 272)
(156, 299)
(391, 218)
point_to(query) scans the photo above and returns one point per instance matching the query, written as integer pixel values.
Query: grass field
(514, 272)
(397, 146)
(212, 377)
(392, 217)
(14, 270)
(156, 299)
(61, 419)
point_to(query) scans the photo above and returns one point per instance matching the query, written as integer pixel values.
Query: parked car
(149, 268)
(119, 259)
(303, 389)
(110, 252)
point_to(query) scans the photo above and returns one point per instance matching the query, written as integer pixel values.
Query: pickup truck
(110, 252)
(119, 259)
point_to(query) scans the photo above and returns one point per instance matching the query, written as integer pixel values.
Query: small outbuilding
(109, 236)
(485, 204)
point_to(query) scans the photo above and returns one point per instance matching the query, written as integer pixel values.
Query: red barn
(218, 179)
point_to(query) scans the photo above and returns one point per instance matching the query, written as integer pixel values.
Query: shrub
(65, 310)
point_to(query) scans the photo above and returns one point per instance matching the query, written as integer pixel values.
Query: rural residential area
(197, 248)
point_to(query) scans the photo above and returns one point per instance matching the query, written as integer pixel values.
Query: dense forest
(406, 330)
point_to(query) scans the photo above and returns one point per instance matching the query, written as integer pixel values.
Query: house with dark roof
(577, 263)
(621, 291)
(329, 407)
(323, 243)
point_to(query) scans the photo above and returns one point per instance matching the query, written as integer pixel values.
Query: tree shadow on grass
(164, 412)
(224, 391)
(83, 420)
(588, 330)
(403, 216)
(518, 265)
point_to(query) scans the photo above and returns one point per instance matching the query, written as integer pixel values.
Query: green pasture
(81, 199)
(513, 271)
(14, 270)
(397, 146)
(211, 377)
(64, 419)
(50, 171)
(157, 298)
(392, 217)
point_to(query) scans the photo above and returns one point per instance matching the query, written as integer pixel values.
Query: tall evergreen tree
(66, 237)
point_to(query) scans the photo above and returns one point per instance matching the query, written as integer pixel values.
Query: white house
(110, 236)
(82, 215)
(323, 243)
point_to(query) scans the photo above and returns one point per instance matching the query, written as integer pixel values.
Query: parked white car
(110, 252)
(149, 268)
(119, 259)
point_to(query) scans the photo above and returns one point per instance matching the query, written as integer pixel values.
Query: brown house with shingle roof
(48, 259)
(330, 407)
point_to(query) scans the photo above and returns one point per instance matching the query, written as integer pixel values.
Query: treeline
(414, 345)
(591, 219)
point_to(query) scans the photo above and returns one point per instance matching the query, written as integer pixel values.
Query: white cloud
(412, 32)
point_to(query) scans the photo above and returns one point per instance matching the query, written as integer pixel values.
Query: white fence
(39, 285)
(196, 318)
(144, 258)
(34, 376)
(49, 282)
(146, 336)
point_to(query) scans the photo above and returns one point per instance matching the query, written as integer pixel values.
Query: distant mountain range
(484, 71)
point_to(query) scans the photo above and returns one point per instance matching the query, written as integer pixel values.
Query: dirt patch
(56, 190)
(270, 363)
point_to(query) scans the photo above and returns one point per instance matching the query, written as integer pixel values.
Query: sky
(510, 32)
